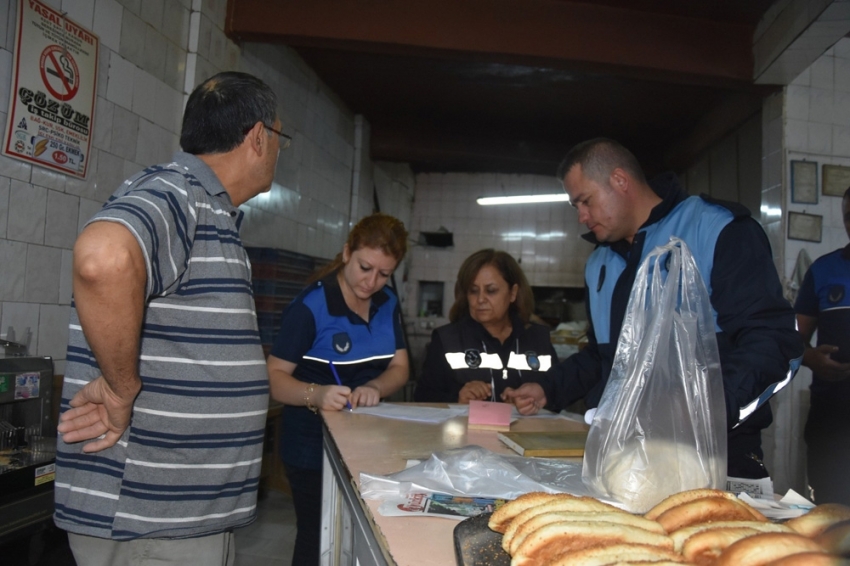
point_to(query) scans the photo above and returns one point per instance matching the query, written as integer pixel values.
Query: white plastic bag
(660, 427)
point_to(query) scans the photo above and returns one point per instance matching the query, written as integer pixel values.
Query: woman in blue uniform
(490, 343)
(347, 320)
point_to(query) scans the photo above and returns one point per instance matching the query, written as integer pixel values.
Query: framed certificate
(836, 180)
(804, 182)
(808, 227)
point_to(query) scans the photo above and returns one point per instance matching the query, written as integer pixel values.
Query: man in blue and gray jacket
(628, 217)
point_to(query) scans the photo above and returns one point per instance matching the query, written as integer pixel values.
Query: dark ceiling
(510, 85)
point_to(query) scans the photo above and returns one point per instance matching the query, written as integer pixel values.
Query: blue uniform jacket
(756, 332)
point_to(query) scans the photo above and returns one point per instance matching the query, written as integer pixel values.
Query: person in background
(628, 217)
(823, 304)
(346, 324)
(490, 344)
(165, 393)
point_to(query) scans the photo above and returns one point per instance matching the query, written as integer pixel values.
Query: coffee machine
(27, 441)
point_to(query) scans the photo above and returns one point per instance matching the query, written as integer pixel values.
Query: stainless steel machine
(27, 441)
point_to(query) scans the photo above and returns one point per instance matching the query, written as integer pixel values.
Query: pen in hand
(339, 382)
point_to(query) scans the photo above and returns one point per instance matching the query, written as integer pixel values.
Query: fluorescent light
(524, 199)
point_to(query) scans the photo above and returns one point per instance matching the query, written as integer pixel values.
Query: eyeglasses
(285, 140)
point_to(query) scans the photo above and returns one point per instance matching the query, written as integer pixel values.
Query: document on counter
(413, 412)
(408, 412)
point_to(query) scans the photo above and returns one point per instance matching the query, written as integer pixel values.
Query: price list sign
(54, 84)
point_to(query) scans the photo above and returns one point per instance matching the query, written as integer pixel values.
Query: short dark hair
(598, 157)
(222, 109)
(510, 270)
(847, 193)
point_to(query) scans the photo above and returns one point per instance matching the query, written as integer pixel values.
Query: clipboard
(546, 444)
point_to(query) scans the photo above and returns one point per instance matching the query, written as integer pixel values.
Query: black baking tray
(477, 545)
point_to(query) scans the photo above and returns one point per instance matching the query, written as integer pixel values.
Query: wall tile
(27, 206)
(80, 11)
(5, 22)
(797, 102)
(216, 10)
(14, 168)
(13, 275)
(133, 30)
(796, 134)
(821, 107)
(156, 145)
(48, 179)
(5, 78)
(88, 208)
(153, 59)
(135, 6)
(119, 90)
(169, 108)
(175, 66)
(66, 280)
(62, 214)
(110, 175)
(820, 138)
(124, 133)
(104, 112)
(842, 74)
(175, 23)
(42, 279)
(841, 141)
(152, 11)
(841, 107)
(23, 318)
(5, 184)
(85, 187)
(144, 94)
(53, 330)
(822, 73)
(107, 23)
(103, 57)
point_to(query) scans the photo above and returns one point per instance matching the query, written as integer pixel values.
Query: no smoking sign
(59, 72)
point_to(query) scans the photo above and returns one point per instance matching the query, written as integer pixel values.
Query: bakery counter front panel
(354, 532)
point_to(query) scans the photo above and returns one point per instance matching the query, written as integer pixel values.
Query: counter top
(382, 446)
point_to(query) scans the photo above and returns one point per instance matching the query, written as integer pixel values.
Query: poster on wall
(54, 84)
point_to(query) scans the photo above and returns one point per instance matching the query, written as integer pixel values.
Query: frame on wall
(836, 179)
(807, 227)
(804, 182)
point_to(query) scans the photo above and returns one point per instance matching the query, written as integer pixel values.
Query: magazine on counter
(438, 505)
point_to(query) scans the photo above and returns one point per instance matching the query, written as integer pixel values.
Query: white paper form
(413, 412)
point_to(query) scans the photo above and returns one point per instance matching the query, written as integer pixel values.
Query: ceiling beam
(560, 31)
(793, 34)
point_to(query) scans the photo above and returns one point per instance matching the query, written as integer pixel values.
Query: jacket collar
(336, 301)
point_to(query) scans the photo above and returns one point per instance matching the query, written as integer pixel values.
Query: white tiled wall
(544, 238)
(817, 128)
(150, 57)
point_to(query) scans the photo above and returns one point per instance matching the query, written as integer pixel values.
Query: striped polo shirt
(189, 463)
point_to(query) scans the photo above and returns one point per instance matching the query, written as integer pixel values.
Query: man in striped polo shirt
(165, 394)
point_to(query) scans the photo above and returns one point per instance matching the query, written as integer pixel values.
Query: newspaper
(438, 505)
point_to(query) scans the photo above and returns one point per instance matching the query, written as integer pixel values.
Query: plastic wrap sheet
(475, 471)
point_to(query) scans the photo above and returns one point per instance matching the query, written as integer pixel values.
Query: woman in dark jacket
(490, 343)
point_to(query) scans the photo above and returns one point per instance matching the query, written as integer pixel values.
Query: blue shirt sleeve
(297, 333)
(807, 298)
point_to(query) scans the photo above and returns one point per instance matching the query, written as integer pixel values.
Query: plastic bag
(660, 427)
(474, 471)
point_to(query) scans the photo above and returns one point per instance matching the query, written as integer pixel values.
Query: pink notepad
(490, 416)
